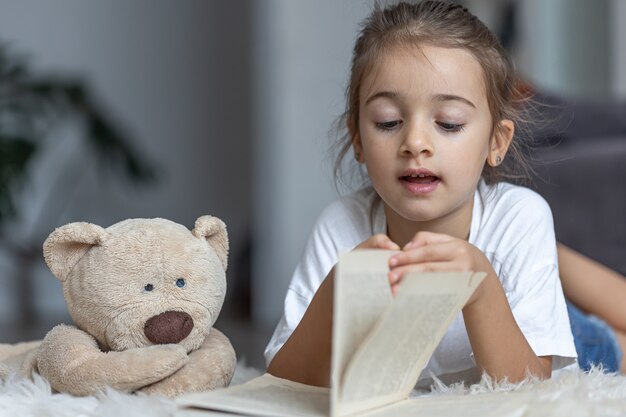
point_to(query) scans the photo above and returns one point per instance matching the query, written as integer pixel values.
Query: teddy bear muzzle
(168, 327)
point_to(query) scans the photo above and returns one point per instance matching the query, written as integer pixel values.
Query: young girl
(431, 112)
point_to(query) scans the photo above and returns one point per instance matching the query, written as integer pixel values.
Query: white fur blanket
(571, 394)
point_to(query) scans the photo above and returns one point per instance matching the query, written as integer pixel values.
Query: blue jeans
(596, 343)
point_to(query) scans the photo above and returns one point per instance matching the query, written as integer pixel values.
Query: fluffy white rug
(26, 398)
(21, 397)
(571, 393)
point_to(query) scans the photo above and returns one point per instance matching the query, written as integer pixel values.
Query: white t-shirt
(511, 225)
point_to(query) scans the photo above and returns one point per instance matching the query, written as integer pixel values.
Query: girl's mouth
(420, 178)
(420, 182)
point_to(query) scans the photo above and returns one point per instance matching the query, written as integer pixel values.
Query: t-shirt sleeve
(532, 284)
(542, 316)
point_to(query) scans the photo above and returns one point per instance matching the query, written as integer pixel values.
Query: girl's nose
(416, 142)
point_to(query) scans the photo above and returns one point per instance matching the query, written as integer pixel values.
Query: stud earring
(498, 160)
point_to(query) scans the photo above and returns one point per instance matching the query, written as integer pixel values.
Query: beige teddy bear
(144, 294)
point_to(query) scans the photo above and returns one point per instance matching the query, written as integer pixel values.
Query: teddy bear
(144, 295)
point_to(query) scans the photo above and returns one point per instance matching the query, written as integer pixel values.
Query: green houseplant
(30, 105)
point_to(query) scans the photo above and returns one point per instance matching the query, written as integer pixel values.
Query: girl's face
(424, 132)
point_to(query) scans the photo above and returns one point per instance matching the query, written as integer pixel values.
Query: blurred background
(158, 108)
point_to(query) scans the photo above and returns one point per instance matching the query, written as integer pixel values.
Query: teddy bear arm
(210, 367)
(72, 362)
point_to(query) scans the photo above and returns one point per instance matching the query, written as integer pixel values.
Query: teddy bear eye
(180, 282)
(148, 287)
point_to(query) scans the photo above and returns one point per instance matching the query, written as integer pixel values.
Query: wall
(618, 40)
(566, 46)
(563, 46)
(302, 52)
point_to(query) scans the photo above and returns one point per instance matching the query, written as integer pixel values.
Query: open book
(380, 345)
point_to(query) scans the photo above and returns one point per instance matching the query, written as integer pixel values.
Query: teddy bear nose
(168, 327)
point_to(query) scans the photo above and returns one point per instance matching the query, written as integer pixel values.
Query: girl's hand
(434, 252)
(499, 346)
(379, 241)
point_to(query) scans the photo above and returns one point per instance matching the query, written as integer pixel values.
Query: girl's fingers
(427, 238)
(429, 253)
(396, 275)
(379, 241)
(389, 244)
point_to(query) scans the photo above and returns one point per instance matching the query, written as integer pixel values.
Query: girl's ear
(500, 142)
(357, 146)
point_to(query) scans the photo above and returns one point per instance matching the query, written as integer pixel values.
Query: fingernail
(393, 262)
(394, 277)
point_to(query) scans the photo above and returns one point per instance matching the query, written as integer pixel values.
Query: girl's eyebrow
(385, 94)
(437, 97)
(448, 97)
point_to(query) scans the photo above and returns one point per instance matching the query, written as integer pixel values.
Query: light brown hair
(448, 25)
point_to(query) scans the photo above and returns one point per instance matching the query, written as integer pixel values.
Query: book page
(266, 395)
(388, 362)
(361, 295)
(494, 404)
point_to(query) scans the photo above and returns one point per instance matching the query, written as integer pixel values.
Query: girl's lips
(420, 181)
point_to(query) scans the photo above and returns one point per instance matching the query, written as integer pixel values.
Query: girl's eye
(388, 125)
(148, 287)
(450, 127)
(180, 283)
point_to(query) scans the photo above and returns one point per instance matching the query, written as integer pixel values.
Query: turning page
(394, 346)
(361, 294)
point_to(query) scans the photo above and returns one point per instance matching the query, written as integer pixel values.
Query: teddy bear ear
(213, 230)
(67, 244)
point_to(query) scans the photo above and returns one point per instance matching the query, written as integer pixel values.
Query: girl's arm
(593, 287)
(499, 346)
(305, 356)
